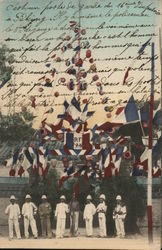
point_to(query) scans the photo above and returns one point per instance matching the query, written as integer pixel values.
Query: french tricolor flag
(27, 158)
(129, 114)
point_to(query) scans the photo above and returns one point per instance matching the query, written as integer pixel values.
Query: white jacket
(101, 210)
(119, 212)
(61, 210)
(89, 211)
(13, 211)
(29, 209)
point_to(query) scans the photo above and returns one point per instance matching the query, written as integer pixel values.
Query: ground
(132, 242)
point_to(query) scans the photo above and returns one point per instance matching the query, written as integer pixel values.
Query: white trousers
(33, 226)
(14, 223)
(102, 226)
(89, 228)
(60, 227)
(119, 224)
(74, 223)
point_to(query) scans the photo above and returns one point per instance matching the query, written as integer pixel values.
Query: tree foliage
(6, 60)
(132, 195)
(16, 127)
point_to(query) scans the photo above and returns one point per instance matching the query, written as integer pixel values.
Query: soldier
(60, 215)
(101, 210)
(74, 216)
(29, 209)
(44, 212)
(119, 215)
(13, 212)
(88, 214)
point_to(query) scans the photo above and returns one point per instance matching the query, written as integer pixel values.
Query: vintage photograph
(80, 124)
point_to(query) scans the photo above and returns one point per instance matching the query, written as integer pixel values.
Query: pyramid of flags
(78, 139)
(76, 75)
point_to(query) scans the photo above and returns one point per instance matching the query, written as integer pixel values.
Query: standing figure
(101, 210)
(13, 212)
(88, 214)
(74, 216)
(119, 215)
(60, 215)
(44, 212)
(29, 209)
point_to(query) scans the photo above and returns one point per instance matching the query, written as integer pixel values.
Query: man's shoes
(122, 237)
(59, 237)
(35, 237)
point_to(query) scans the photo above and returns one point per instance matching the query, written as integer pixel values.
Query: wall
(156, 217)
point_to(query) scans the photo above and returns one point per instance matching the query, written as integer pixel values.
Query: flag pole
(149, 180)
(78, 80)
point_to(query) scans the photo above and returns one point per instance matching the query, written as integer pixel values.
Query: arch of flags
(77, 140)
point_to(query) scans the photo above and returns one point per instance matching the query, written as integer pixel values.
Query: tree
(132, 195)
(15, 132)
(16, 127)
(6, 69)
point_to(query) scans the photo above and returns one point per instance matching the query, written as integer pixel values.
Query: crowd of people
(29, 210)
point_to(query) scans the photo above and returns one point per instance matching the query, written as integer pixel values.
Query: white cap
(118, 197)
(62, 197)
(28, 196)
(89, 197)
(12, 197)
(102, 196)
(44, 197)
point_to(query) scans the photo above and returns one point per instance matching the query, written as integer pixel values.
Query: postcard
(80, 124)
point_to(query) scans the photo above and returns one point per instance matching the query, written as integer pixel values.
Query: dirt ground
(133, 242)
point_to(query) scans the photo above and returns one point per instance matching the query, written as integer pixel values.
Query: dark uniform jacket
(45, 209)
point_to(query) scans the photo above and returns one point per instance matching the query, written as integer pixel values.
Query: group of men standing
(29, 210)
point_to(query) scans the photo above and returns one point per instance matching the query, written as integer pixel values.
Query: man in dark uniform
(44, 212)
(74, 216)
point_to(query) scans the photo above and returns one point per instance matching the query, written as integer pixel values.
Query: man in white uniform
(101, 210)
(60, 215)
(88, 214)
(29, 209)
(13, 212)
(119, 215)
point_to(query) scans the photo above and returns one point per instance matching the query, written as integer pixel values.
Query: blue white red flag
(129, 114)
